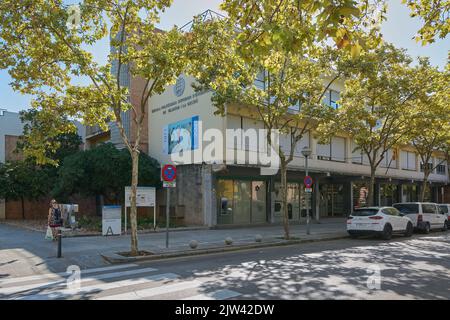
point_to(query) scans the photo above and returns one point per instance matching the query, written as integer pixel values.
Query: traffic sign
(308, 181)
(168, 173)
(169, 184)
(308, 190)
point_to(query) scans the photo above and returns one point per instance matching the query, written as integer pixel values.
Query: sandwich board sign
(111, 220)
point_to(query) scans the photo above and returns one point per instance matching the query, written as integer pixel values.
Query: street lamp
(306, 152)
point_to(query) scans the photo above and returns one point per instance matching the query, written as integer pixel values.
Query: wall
(39, 209)
(10, 124)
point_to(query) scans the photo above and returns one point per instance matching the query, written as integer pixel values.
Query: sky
(398, 29)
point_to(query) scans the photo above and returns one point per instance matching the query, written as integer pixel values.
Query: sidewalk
(33, 253)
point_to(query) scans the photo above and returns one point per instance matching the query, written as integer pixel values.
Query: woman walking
(54, 217)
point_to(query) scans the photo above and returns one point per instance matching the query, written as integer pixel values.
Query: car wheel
(427, 228)
(387, 232)
(409, 230)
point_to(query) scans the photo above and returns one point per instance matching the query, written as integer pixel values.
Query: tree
(20, 180)
(47, 140)
(45, 47)
(430, 117)
(103, 170)
(435, 15)
(374, 105)
(271, 57)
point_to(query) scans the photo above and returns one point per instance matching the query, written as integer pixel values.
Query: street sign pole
(167, 216)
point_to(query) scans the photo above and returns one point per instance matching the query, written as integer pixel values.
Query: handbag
(49, 234)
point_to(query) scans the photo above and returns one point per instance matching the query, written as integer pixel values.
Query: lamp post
(306, 152)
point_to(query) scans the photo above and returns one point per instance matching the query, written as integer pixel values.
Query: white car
(383, 221)
(445, 209)
(425, 216)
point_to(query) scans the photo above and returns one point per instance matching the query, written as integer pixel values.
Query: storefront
(241, 201)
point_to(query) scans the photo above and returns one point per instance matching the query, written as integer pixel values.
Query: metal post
(167, 217)
(59, 243)
(126, 226)
(154, 216)
(307, 199)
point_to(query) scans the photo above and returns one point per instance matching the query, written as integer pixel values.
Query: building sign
(145, 196)
(181, 136)
(178, 88)
(111, 220)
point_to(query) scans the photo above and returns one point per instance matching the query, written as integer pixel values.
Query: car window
(428, 208)
(444, 209)
(364, 212)
(407, 208)
(386, 211)
(394, 211)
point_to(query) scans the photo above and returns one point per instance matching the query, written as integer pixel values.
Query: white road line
(216, 295)
(94, 289)
(17, 289)
(48, 276)
(152, 292)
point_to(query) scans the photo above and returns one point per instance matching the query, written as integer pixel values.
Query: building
(10, 128)
(136, 86)
(210, 193)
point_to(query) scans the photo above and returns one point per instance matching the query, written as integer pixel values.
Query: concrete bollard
(193, 244)
(258, 238)
(228, 241)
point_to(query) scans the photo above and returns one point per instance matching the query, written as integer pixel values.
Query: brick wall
(10, 148)
(39, 209)
(137, 87)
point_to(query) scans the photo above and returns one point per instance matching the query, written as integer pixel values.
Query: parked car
(383, 221)
(445, 209)
(425, 216)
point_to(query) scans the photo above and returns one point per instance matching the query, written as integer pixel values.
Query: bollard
(59, 243)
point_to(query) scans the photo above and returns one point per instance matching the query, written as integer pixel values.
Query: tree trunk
(133, 211)
(23, 208)
(370, 200)
(284, 208)
(424, 187)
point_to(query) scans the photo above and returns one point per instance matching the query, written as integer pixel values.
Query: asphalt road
(413, 268)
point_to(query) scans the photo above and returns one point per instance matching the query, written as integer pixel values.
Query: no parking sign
(169, 176)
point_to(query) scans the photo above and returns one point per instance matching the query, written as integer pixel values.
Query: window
(331, 98)
(358, 157)
(408, 160)
(335, 150)
(407, 208)
(364, 212)
(389, 160)
(444, 208)
(423, 166)
(440, 168)
(428, 208)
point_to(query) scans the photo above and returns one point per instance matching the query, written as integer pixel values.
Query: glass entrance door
(258, 202)
(331, 200)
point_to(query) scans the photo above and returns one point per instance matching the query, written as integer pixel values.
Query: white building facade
(222, 184)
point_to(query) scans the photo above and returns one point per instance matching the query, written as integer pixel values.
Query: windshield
(407, 207)
(364, 212)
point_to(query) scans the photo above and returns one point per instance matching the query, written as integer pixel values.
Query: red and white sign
(308, 181)
(168, 173)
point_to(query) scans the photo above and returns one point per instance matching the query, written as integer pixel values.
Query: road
(414, 268)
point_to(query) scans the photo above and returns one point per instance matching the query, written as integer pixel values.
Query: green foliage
(24, 180)
(103, 170)
(47, 140)
(435, 15)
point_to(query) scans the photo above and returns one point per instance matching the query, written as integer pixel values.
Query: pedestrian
(54, 217)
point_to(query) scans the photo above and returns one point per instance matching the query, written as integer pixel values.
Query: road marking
(216, 295)
(16, 289)
(93, 289)
(62, 274)
(152, 292)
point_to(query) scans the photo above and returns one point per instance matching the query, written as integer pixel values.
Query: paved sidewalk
(24, 252)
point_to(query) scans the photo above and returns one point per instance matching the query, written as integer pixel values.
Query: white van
(445, 208)
(424, 215)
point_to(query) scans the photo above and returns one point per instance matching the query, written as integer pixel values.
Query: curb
(114, 258)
